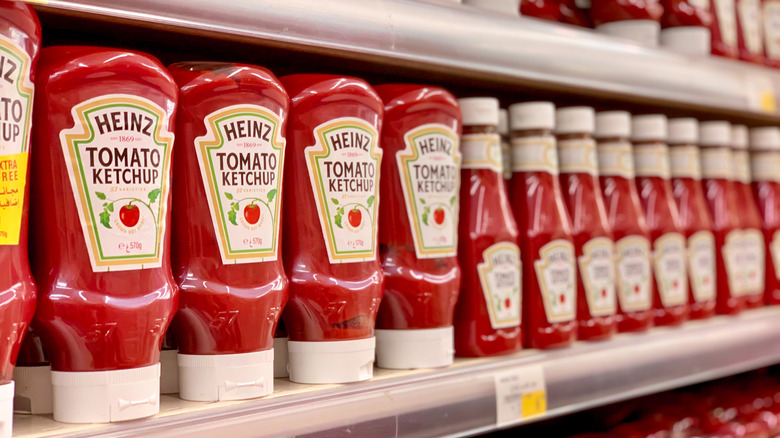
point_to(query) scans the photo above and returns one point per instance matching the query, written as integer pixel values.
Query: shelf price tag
(761, 94)
(520, 394)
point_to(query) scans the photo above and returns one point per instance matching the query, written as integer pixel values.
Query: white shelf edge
(462, 397)
(465, 39)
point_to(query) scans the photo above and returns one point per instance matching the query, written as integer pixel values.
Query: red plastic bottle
(716, 157)
(634, 276)
(765, 162)
(770, 12)
(749, 31)
(686, 26)
(752, 247)
(651, 159)
(226, 252)
(695, 221)
(576, 13)
(330, 251)
(543, 9)
(419, 242)
(636, 20)
(488, 313)
(594, 247)
(20, 40)
(725, 41)
(549, 263)
(104, 121)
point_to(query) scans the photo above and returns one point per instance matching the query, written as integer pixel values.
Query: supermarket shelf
(461, 399)
(461, 40)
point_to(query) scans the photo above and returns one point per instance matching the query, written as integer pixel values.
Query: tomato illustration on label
(701, 265)
(430, 180)
(633, 273)
(555, 272)
(118, 160)
(343, 170)
(500, 278)
(241, 164)
(670, 269)
(597, 268)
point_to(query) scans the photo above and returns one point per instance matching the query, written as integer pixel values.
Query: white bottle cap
(532, 115)
(479, 111)
(503, 122)
(105, 396)
(6, 410)
(648, 127)
(764, 138)
(169, 372)
(510, 7)
(33, 390)
(575, 120)
(613, 124)
(683, 131)
(218, 377)
(280, 357)
(643, 32)
(331, 361)
(687, 40)
(715, 133)
(410, 349)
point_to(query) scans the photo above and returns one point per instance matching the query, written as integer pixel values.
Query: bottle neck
(577, 154)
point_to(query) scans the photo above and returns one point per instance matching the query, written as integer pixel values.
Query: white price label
(520, 394)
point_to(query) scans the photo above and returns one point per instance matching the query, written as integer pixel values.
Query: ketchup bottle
(716, 157)
(651, 158)
(20, 40)
(695, 221)
(765, 162)
(638, 21)
(686, 26)
(725, 40)
(103, 128)
(418, 235)
(576, 13)
(752, 248)
(543, 9)
(549, 272)
(330, 251)
(596, 302)
(226, 214)
(749, 31)
(487, 316)
(771, 31)
(634, 276)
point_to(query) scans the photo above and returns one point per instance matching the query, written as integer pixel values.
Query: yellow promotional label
(13, 177)
(534, 403)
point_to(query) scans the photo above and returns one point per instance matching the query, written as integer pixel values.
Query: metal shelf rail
(465, 41)
(462, 399)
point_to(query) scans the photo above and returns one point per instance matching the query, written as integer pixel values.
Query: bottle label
(750, 20)
(701, 265)
(774, 248)
(772, 29)
(633, 273)
(732, 258)
(16, 94)
(727, 21)
(506, 159)
(578, 156)
(343, 169)
(741, 166)
(616, 159)
(752, 249)
(764, 165)
(118, 157)
(716, 163)
(534, 154)
(430, 180)
(652, 160)
(684, 162)
(671, 277)
(499, 275)
(597, 268)
(481, 151)
(555, 272)
(241, 158)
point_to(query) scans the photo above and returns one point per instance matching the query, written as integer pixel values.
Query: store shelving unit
(461, 399)
(462, 41)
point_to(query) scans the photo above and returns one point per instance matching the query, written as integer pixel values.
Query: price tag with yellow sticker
(520, 394)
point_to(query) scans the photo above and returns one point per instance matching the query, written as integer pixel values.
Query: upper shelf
(461, 399)
(464, 41)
